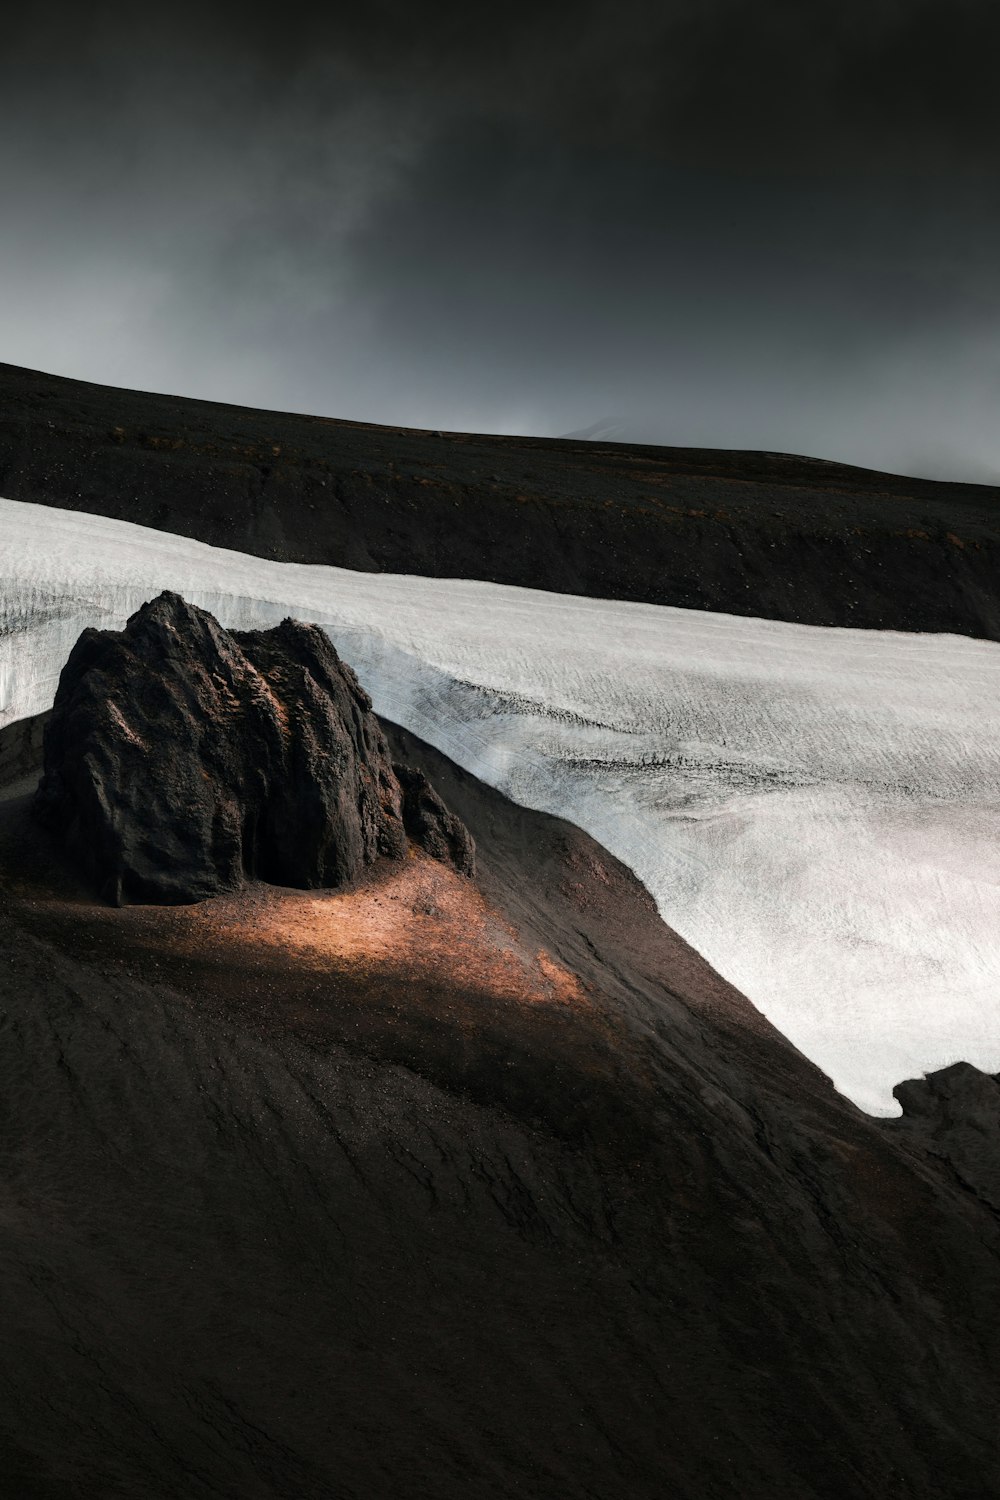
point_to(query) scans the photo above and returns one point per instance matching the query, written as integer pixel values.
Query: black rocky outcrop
(429, 823)
(182, 759)
(954, 1115)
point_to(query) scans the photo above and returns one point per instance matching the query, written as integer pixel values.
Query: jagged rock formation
(182, 759)
(954, 1115)
(429, 823)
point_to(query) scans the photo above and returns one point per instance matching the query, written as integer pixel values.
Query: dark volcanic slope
(745, 533)
(428, 1192)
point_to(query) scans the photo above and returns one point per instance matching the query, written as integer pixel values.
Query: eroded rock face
(182, 759)
(955, 1114)
(429, 823)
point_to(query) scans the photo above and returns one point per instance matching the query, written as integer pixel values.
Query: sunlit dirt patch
(412, 933)
(413, 967)
(419, 919)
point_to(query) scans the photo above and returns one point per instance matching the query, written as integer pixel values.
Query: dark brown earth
(434, 1189)
(764, 534)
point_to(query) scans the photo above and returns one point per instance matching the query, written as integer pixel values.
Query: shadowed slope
(420, 1190)
(763, 534)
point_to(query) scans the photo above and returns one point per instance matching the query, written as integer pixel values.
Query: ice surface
(816, 811)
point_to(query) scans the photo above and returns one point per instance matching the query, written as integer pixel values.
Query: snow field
(816, 811)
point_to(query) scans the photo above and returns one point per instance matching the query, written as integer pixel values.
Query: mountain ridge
(777, 536)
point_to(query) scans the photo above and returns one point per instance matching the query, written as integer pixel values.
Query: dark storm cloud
(769, 225)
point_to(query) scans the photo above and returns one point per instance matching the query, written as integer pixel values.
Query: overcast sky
(737, 223)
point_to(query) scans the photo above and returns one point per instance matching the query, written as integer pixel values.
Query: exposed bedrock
(182, 759)
(954, 1114)
(429, 823)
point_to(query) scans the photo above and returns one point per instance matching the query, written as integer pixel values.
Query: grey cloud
(740, 224)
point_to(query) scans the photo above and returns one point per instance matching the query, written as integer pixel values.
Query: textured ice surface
(816, 811)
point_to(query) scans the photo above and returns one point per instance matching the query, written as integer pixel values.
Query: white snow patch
(816, 811)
